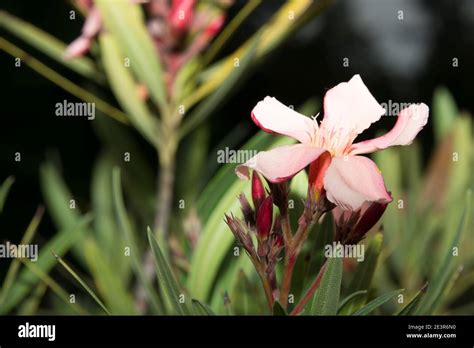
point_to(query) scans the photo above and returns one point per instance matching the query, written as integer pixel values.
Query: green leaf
(278, 310)
(362, 277)
(444, 112)
(205, 109)
(326, 297)
(83, 284)
(369, 307)
(349, 298)
(55, 287)
(125, 89)
(201, 308)
(218, 198)
(4, 189)
(412, 306)
(60, 243)
(124, 20)
(49, 45)
(126, 227)
(245, 296)
(15, 264)
(112, 288)
(448, 266)
(166, 278)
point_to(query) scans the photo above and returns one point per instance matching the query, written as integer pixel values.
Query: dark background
(398, 60)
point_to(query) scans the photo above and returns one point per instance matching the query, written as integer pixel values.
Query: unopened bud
(264, 218)
(258, 190)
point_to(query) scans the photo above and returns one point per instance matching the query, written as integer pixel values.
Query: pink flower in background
(328, 147)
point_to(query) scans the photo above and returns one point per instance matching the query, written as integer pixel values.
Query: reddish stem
(309, 294)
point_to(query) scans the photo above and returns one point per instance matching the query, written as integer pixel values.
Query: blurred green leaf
(201, 308)
(61, 243)
(49, 45)
(326, 297)
(4, 189)
(166, 278)
(30, 232)
(372, 305)
(246, 296)
(126, 227)
(124, 20)
(364, 273)
(205, 109)
(444, 112)
(447, 268)
(125, 89)
(110, 285)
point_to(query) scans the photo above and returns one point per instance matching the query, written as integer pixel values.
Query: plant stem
(164, 196)
(293, 248)
(309, 293)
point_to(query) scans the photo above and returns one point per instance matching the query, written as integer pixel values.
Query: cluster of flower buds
(352, 226)
(180, 29)
(259, 222)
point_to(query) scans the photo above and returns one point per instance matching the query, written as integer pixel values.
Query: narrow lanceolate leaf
(124, 20)
(125, 89)
(4, 189)
(372, 305)
(54, 286)
(48, 45)
(412, 306)
(447, 268)
(201, 308)
(349, 298)
(166, 278)
(326, 298)
(83, 283)
(364, 274)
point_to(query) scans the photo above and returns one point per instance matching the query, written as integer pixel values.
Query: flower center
(335, 140)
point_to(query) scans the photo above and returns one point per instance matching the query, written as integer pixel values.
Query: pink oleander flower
(347, 179)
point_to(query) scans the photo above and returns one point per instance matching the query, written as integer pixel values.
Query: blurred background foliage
(66, 158)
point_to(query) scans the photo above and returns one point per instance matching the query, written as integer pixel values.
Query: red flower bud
(258, 190)
(369, 218)
(264, 218)
(181, 14)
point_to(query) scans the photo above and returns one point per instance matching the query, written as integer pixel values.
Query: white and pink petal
(281, 163)
(350, 181)
(409, 123)
(350, 108)
(274, 117)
